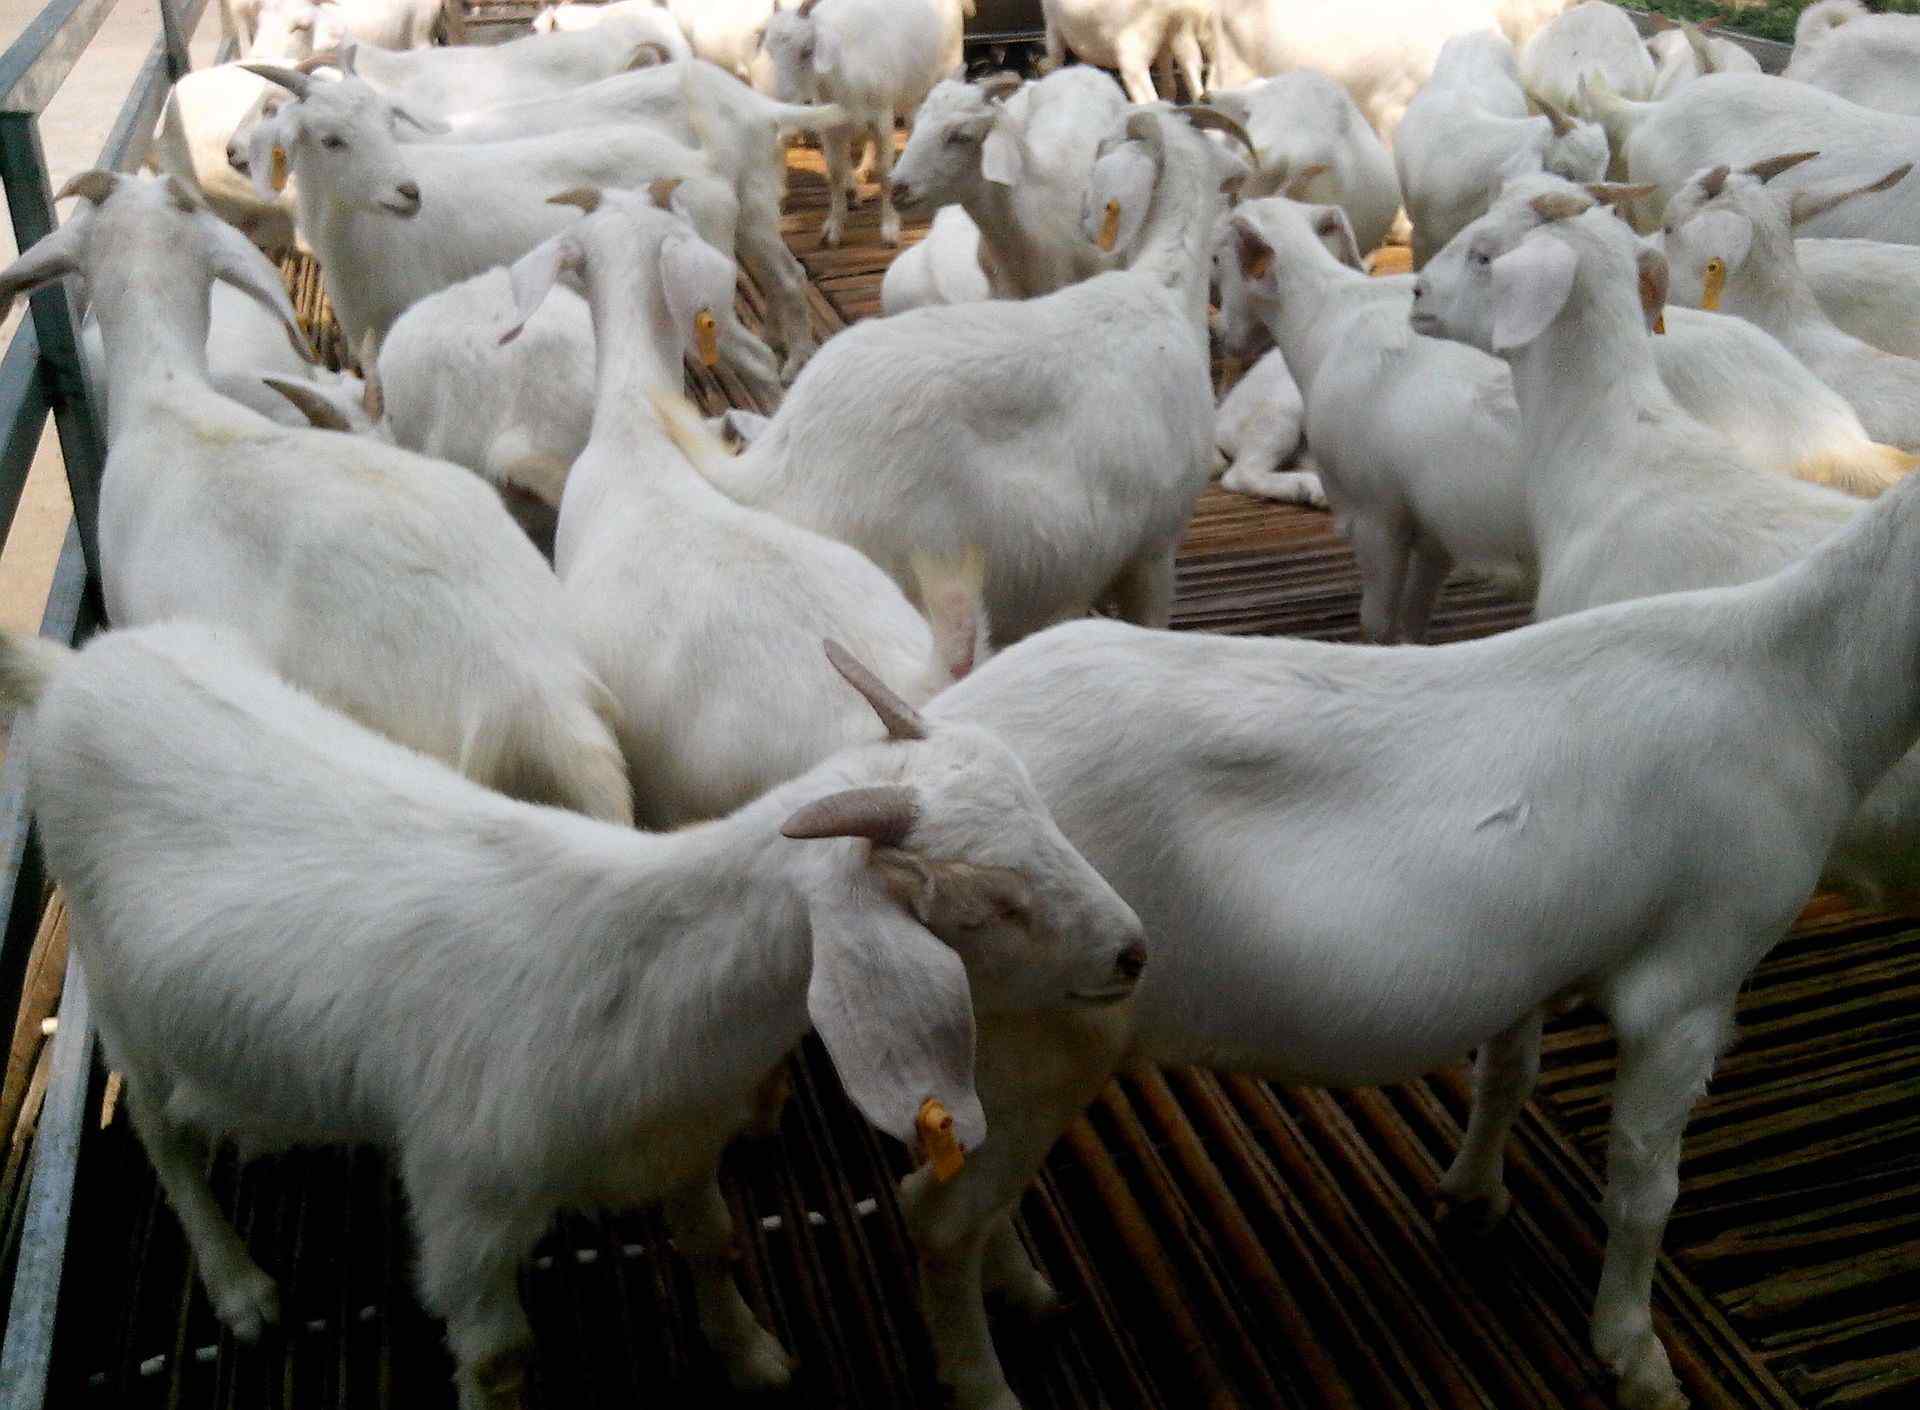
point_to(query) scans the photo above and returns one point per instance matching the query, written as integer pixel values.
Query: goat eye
(1479, 258)
(959, 139)
(333, 143)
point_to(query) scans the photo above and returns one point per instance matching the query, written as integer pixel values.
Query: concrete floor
(73, 129)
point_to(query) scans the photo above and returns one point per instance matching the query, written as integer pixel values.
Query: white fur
(391, 24)
(1627, 496)
(1066, 436)
(642, 17)
(1258, 428)
(698, 611)
(1304, 119)
(1018, 166)
(203, 110)
(1745, 226)
(1873, 60)
(392, 223)
(1684, 52)
(1742, 118)
(295, 931)
(1380, 51)
(1593, 37)
(1376, 859)
(1869, 288)
(944, 268)
(877, 59)
(465, 76)
(392, 586)
(1469, 130)
(1131, 36)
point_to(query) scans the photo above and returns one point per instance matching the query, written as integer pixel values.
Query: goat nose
(1419, 290)
(410, 190)
(1131, 962)
(900, 192)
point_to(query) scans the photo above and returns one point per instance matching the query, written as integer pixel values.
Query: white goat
(943, 268)
(392, 224)
(1593, 37)
(877, 59)
(1869, 288)
(1313, 142)
(643, 17)
(690, 604)
(1015, 158)
(388, 584)
(1685, 51)
(1468, 130)
(1373, 861)
(1873, 60)
(1380, 51)
(1258, 428)
(295, 931)
(1130, 36)
(1417, 438)
(1730, 244)
(1074, 475)
(203, 110)
(391, 24)
(465, 76)
(1739, 119)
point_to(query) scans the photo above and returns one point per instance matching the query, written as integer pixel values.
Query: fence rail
(42, 376)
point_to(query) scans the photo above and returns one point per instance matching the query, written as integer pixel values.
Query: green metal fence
(41, 376)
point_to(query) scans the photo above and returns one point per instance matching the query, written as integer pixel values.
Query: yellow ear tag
(277, 173)
(1660, 321)
(1109, 227)
(935, 1125)
(706, 337)
(1716, 280)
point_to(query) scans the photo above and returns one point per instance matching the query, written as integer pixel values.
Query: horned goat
(690, 604)
(390, 585)
(1374, 860)
(1729, 241)
(1015, 158)
(392, 223)
(297, 931)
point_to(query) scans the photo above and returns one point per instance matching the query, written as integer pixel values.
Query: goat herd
(345, 808)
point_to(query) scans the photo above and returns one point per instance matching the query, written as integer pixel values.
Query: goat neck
(1174, 238)
(154, 306)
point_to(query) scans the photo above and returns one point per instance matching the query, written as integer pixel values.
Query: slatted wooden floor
(1224, 1242)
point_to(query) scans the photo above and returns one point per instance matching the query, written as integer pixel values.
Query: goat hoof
(1646, 1377)
(761, 1364)
(890, 232)
(830, 237)
(1470, 1214)
(248, 1305)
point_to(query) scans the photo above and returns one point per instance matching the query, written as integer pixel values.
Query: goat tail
(953, 596)
(555, 748)
(1865, 470)
(28, 665)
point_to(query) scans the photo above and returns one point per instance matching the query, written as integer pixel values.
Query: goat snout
(237, 158)
(901, 193)
(1131, 963)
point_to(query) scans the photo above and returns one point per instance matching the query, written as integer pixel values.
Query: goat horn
(1773, 166)
(587, 198)
(1560, 205)
(1562, 124)
(1715, 181)
(313, 63)
(661, 192)
(1615, 193)
(996, 86)
(901, 719)
(293, 80)
(806, 8)
(94, 186)
(1297, 184)
(884, 815)
(640, 51)
(1204, 117)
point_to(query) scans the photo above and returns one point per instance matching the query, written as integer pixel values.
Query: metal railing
(41, 376)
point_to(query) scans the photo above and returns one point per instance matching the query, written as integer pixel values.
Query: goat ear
(239, 263)
(1655, 276)
(892, 1005)
(267, 159)
(1725, 233)
(533, 275)
(1530, 287)
(1002, 155)
(1336, 233)
(55, 256)
(1253, 254)
(698, 282)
